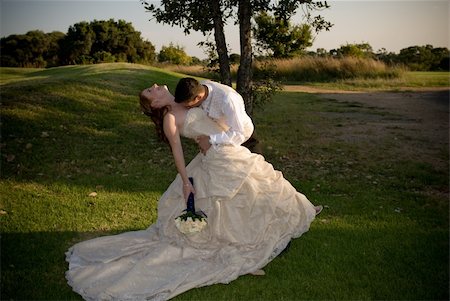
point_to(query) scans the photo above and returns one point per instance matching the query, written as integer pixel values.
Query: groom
(221, 103)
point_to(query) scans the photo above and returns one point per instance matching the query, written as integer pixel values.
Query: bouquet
(191, 221)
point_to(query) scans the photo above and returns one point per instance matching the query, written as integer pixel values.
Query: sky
(392, 25)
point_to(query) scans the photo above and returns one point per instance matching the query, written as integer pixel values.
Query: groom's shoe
(258, 273)
(318, 209)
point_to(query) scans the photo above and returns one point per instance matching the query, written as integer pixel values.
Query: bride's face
(158, 94)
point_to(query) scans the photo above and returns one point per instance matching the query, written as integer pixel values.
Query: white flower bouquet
(191, 221)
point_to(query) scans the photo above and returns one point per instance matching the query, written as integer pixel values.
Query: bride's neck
(174, 105)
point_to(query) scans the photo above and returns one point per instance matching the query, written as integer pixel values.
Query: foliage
(33, 49)
(103, 57)
(346, 73)
(187, 14)
(415, 58)
(210, 49)
(363, 50)
(425, 58)
(279, 37)
(198, 15)
(120, 39)
(174, 55)
(199, 71)
(265, 83)
(196, 61)
(319, 69)
(307, 68)
(190, 15)
(383, 234)
(84, 43)
(235, 58)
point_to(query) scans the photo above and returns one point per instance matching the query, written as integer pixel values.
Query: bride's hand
(187, 190)
(203, 143)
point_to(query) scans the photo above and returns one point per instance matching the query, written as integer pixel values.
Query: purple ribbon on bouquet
(191, 202)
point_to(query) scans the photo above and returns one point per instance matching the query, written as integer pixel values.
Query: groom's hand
(203, 143)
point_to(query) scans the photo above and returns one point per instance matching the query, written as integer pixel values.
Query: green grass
(407, 81)
(69, 131)
(358, 78)
(426, 79)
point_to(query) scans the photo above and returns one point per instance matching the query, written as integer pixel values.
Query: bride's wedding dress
(253, 213)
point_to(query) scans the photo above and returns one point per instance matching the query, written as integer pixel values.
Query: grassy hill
(71, 131)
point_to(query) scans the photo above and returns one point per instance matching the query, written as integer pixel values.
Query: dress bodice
(198, 123)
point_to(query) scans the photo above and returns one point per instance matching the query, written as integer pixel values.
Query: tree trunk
(244, 76)
(221, 45)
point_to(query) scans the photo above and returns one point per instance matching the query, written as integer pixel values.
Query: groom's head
(189, 92)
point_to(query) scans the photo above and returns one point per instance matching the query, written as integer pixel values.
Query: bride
(252, 214)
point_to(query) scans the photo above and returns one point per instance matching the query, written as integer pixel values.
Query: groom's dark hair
(186, 90)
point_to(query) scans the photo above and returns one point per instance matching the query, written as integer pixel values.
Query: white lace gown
(253, 213)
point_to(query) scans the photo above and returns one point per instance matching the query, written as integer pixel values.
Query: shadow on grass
(86, 130)
(33, 264)
(326, 263)
(82, 124)
(65, 132)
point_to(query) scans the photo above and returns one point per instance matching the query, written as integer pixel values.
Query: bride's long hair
(156, 115)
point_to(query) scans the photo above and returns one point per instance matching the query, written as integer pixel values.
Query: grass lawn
(70, 131)
(408, 81)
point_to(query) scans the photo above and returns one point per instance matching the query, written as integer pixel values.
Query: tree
(174, 54)
(281, 39)
(90, 42)
(322, 52)
(103, 57)
(417, 57)
(363, 50)
(33, 49)
(245, 74)
(51, 56)
(389, 58)
(84, 43)
(207, 16)
(198, 15)
(441, 58)
(77, 43)
(424, 58)
(234, 58)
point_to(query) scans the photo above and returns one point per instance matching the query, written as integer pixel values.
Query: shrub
(306, 69)
(174, 54)
(104, 57)
(310, 69)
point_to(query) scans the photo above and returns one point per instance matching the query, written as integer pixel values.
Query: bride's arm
(173, 135)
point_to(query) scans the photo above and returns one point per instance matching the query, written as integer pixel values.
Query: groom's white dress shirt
(226, 107)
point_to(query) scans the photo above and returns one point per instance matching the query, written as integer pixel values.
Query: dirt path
(417, 122)
(428, 106)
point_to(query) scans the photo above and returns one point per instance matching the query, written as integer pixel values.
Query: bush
(103, 57)
(174, 55)
(306, 69)
(311, 69)
(84, 60)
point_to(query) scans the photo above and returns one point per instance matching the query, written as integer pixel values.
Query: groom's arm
(236, 119)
